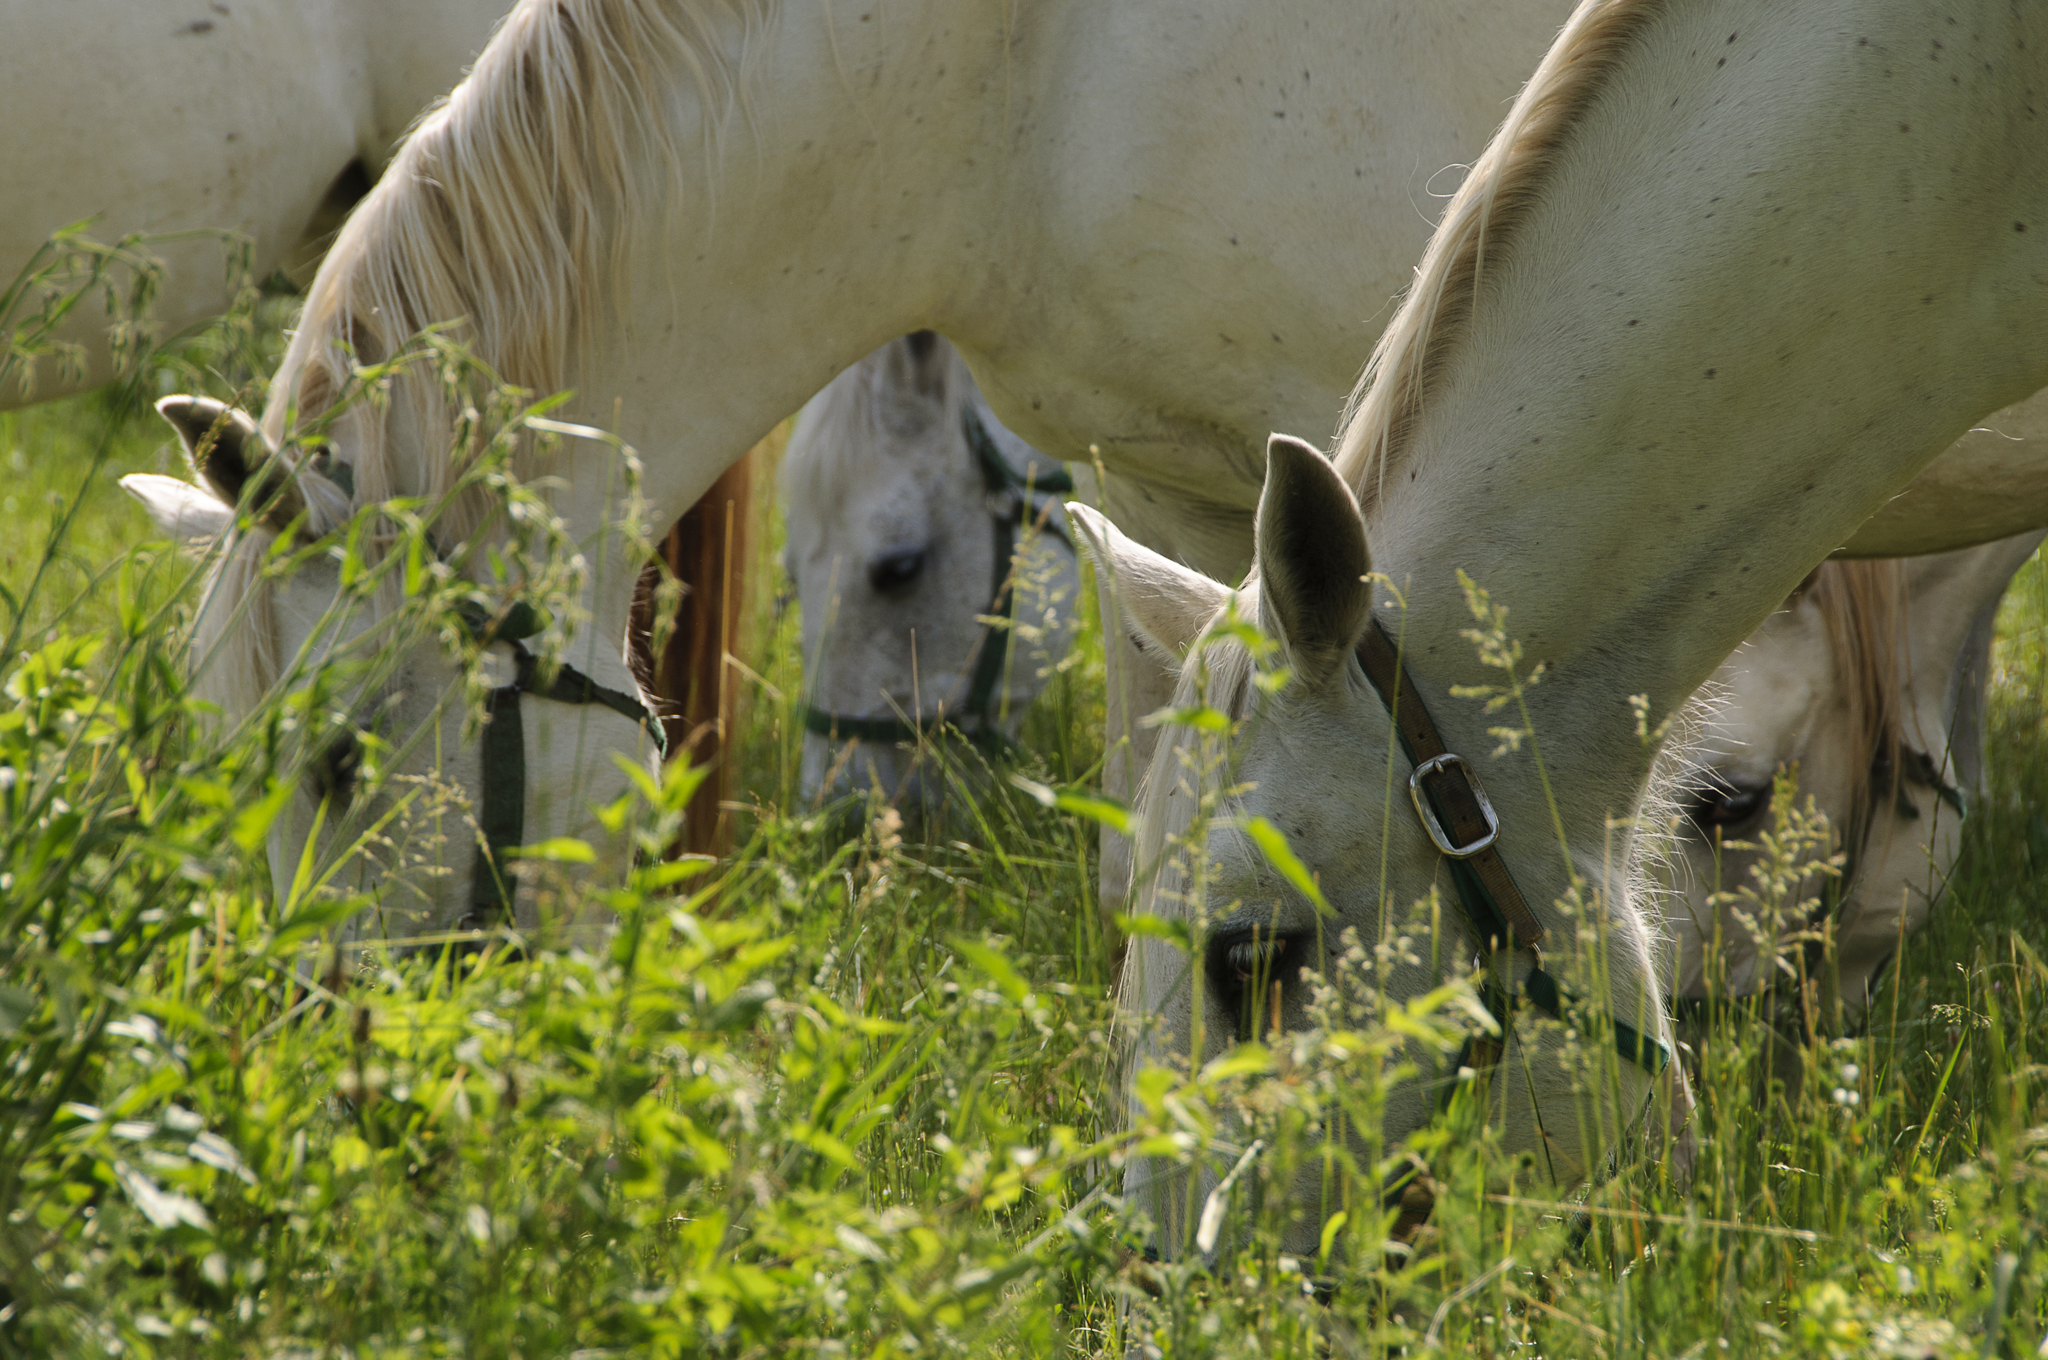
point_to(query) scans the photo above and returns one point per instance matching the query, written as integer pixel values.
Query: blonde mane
(511, 210)
(1863, 605)
(1484, 214)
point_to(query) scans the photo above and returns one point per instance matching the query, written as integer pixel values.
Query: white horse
(696, 213)
(267, 118)
(913, 516)
(1870, 684)
(1697, 313)
(1139, 227)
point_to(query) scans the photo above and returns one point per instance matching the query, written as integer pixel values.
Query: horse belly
(211, 119)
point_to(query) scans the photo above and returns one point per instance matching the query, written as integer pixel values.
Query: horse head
(1866, 686)
(400, 794)
(1310, 757)
(914, 518)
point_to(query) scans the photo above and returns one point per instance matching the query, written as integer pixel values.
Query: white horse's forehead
(1316, 767)
(884, 504)
(1775, 691)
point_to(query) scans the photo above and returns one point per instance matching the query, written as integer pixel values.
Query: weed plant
(864, 1097)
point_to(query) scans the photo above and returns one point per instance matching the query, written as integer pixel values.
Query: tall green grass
(861, 1097)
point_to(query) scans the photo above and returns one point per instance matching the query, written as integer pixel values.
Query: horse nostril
(335, 769)
(892, 572)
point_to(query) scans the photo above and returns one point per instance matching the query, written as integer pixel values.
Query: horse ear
(1312, 559)
(182, 510)
(232, 457)
(1166, 603)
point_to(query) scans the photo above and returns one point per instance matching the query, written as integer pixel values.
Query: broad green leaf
(998, 968)
(254, 823)
(1174, 932)
(1243, 1059)
(556, 850)
(1201, 717)
(1272, 843)
(1097, 808)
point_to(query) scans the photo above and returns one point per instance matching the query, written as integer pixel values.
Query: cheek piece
(501, 817)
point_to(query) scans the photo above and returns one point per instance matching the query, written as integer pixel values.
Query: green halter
(501, 816)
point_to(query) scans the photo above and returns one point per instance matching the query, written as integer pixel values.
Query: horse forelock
(1218, 673)
(234, 632)
(1483, 216)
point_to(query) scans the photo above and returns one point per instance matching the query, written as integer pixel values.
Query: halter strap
(1012, 500)
(502, 817)
(1454, 811)
(1445, 782)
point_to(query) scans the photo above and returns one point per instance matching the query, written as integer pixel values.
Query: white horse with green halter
(932, 565)
(265, 118)
(1671, 345)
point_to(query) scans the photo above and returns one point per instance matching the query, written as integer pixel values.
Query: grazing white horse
(696, 213)
(1731, 273)
(913, 517)
(1870, 683)
(264, 117)
(1138, 226)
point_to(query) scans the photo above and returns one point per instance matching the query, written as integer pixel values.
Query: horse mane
(1486, 212)
(512, 205)
(1863, 606)
(509, 210)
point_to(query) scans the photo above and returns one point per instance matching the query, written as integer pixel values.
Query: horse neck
(413, 55)
(787, 253)
(760, 233)
(1745, 302)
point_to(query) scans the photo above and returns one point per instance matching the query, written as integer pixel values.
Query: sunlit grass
(860, 1096)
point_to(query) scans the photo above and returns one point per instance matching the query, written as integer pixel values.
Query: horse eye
(335, 769)
(1725, 806)
(1248, 972)
(896, 571)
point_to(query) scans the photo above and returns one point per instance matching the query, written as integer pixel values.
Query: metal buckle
(1440, 765)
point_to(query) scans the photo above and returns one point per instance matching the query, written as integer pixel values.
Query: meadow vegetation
(862, 1096)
